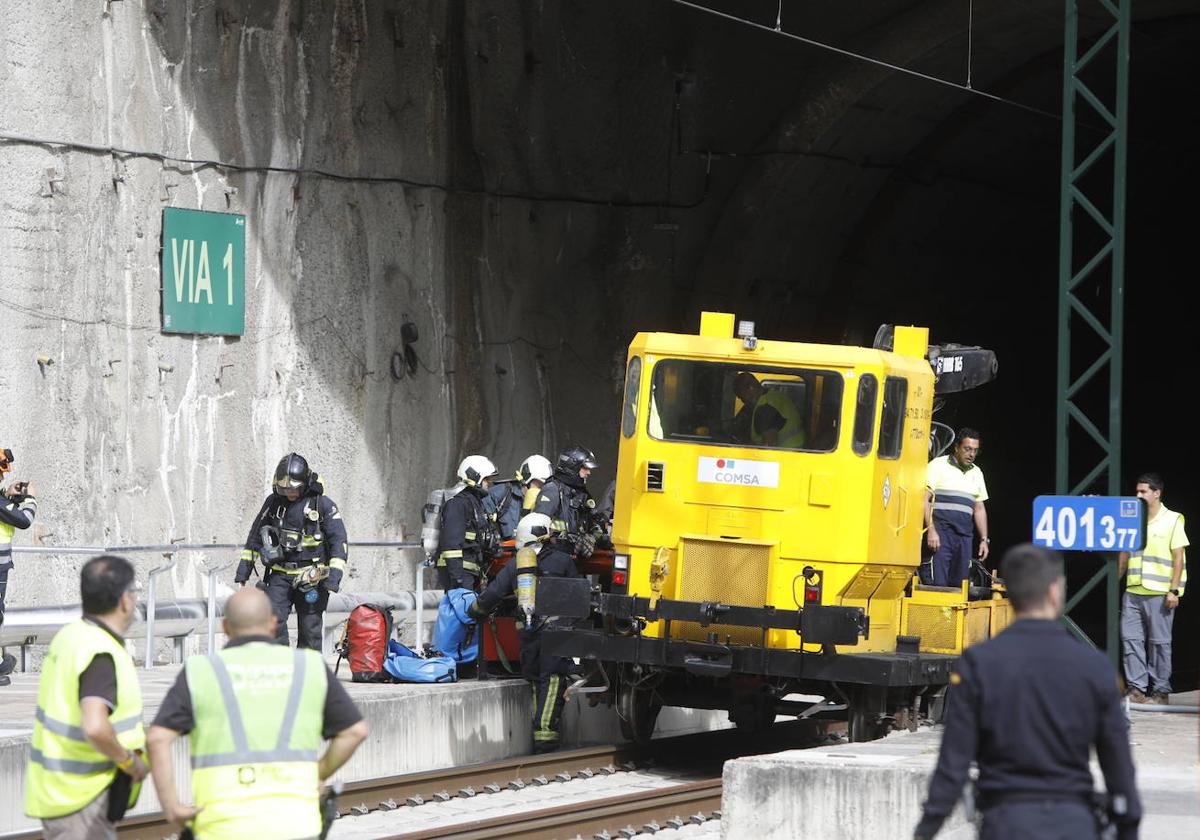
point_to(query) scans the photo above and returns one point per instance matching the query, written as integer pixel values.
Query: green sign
(203, 272)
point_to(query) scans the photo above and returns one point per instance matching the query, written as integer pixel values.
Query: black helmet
(574, 458)
(291, 474)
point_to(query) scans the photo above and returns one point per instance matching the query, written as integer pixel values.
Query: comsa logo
(742, 472)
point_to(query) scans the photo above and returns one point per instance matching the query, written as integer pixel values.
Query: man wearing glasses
(85, 759)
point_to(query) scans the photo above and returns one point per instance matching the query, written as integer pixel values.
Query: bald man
(256, 713)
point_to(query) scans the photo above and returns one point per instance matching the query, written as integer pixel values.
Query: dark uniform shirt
(281, 513)
(176, 710)
(568, 507)
(99, 678)
(1027, 706)
(465, 528)
(504, 500)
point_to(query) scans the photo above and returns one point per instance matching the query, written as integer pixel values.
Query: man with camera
(18, 507)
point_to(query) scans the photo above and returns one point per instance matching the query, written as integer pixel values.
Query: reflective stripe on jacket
(65, 772)
(1151, 568)
(258, 710)
(791, 435)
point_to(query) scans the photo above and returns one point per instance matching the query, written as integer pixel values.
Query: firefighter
(565, 499)
(510, 500)
(468, 537)
(18, 507)
(549, 675)
(300, 539)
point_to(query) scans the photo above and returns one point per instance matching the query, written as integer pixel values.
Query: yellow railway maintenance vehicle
(767, 532)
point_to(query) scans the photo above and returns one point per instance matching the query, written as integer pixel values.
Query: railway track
(612, 816)
(704, 752)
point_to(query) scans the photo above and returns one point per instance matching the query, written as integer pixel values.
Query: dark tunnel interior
(926, 205)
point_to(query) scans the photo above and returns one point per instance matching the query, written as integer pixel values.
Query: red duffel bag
(365, 643)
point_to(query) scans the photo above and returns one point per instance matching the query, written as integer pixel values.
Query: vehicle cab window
(633, 384)
(891, 423)
(864, 414)
(745, 405)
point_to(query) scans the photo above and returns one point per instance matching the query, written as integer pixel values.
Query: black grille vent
(654, 476)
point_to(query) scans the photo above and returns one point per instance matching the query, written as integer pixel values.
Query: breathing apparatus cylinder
(526, 561)
(431, 517)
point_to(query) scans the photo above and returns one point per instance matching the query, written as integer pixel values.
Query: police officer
(565, 499)
(1027, 706)
(510, 500)
(256, 714)
(18, 507)
(467, 538)
(299, 537)
(549, 675)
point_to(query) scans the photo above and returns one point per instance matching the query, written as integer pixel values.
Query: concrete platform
(413, 728)
(876, 790)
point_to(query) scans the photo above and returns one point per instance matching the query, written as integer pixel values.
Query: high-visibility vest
(1152, 568)
(791, 436)
(65, 772)
(258, 710)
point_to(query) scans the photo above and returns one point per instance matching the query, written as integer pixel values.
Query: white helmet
(535, 466)
(533, 530)
(475, 468)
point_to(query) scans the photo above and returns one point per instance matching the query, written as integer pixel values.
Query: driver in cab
(768, 416)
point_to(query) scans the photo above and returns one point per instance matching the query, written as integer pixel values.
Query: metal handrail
(172, 547)
(170, 550)
(212, 602)
(151, 586)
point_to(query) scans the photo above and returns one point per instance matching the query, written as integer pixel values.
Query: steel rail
(597, 817)
(412, 789)
(392, 792)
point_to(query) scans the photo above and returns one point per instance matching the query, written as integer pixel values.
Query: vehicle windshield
(745, 405)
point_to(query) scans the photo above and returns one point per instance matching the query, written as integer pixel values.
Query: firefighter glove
(476, 611)
(245, 567)
(334, 582)
(585, 544)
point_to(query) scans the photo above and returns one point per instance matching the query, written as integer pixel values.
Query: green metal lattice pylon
(1072, 413)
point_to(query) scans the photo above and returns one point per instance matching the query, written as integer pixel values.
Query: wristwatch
(986, 539)
(1174, 592)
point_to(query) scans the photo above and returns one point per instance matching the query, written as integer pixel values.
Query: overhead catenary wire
(887, 65)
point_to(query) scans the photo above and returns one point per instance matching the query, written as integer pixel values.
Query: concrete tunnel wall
(553, 177)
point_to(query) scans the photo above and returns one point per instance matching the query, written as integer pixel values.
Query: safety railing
(169, 551)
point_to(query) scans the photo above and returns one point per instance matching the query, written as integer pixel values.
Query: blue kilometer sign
(1089, 523)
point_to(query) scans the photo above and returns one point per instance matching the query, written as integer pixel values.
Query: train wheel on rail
(868, 711)
(637, 709)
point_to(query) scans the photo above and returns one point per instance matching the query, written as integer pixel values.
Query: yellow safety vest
(791, 436)
(1150, 570)
(258, 710)
(65, 772)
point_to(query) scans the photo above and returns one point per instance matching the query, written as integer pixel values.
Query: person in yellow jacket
(770, 416)
(1155, 578)
(256, 713)
(87, 734)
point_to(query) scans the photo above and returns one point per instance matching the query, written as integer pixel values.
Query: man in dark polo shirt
(232, 703)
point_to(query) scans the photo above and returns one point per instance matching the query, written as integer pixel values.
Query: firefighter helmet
(475, 468)
(291, 474)
(574, 458)
(534, 467)
(533, 530)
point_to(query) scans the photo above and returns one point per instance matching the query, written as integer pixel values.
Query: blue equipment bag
(454, 633)
(403, 663)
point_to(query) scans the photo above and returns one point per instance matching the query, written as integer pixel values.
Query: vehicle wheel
(754, 718)
(868, 705)
(638, 711)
